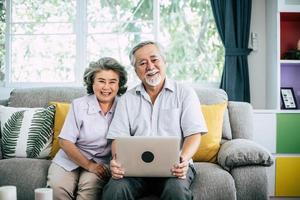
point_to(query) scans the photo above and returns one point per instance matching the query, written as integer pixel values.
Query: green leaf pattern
(40, 131)
(11, 131)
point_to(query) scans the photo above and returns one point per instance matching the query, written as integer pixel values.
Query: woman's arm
(76, 156)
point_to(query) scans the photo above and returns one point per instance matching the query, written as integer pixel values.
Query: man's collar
(168, 85)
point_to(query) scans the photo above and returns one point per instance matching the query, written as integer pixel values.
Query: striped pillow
(26, 132)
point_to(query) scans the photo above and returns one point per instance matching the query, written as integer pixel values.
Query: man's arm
(120, 123)
(116, 169)
(192, 125)
(189, 148)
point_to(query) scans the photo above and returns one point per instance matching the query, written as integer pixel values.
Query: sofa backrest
(233, 125)
(40, 97)
(3, 102)
(208, 96)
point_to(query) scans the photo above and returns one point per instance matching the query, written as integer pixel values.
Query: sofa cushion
(242, 152)
(212, 182)
(40, 97)
(209, 96)
(27, 174)
(210, 142)
(26, 132)
(61, 111)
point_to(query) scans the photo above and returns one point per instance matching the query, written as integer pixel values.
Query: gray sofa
(240, 172)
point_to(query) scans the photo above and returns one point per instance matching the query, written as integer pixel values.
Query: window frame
(80, 32)
(81, 35)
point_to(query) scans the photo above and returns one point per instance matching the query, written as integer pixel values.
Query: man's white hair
(142, 44)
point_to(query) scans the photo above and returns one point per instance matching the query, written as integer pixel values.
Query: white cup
(8, 192)
(43, 194)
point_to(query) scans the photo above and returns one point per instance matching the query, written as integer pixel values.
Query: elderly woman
(79, 170)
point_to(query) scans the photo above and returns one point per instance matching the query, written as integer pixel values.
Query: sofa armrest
(241, 119)
(4, 102)
(251, 182)
(243, 152)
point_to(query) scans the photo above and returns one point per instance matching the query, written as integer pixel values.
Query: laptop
(147, 156)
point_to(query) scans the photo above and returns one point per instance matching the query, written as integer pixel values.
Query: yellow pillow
(210, 142)
(61, 111)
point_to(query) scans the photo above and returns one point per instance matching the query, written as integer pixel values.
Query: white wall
(257, 59)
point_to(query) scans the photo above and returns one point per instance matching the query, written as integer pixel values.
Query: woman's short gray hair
(142, 44)
(105, 63)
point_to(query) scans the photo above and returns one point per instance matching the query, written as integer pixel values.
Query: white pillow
(26, 132)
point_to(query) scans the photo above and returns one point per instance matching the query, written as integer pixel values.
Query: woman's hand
(181, 169)
(100, 170)
(116, 169)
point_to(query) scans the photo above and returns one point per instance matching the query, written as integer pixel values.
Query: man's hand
(116, 169)
(99, 169)
(181, 169)
(189, 148)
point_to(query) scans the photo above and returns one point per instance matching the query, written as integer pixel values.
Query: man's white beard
(154, 80)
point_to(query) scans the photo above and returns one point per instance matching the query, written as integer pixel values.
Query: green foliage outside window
(195, 51)
(186, 29)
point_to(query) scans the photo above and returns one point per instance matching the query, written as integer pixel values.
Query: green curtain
(233, 23)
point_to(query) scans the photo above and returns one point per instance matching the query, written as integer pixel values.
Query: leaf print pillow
(26, 132)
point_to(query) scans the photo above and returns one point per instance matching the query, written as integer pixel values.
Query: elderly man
(156, 107)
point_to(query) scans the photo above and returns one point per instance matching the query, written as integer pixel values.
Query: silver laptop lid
(147, 156)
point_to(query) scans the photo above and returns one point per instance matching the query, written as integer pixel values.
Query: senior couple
(85, 166)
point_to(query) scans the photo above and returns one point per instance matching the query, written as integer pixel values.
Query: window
(113, 27)
(194, 51)
(42, 41)
(53, 42)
